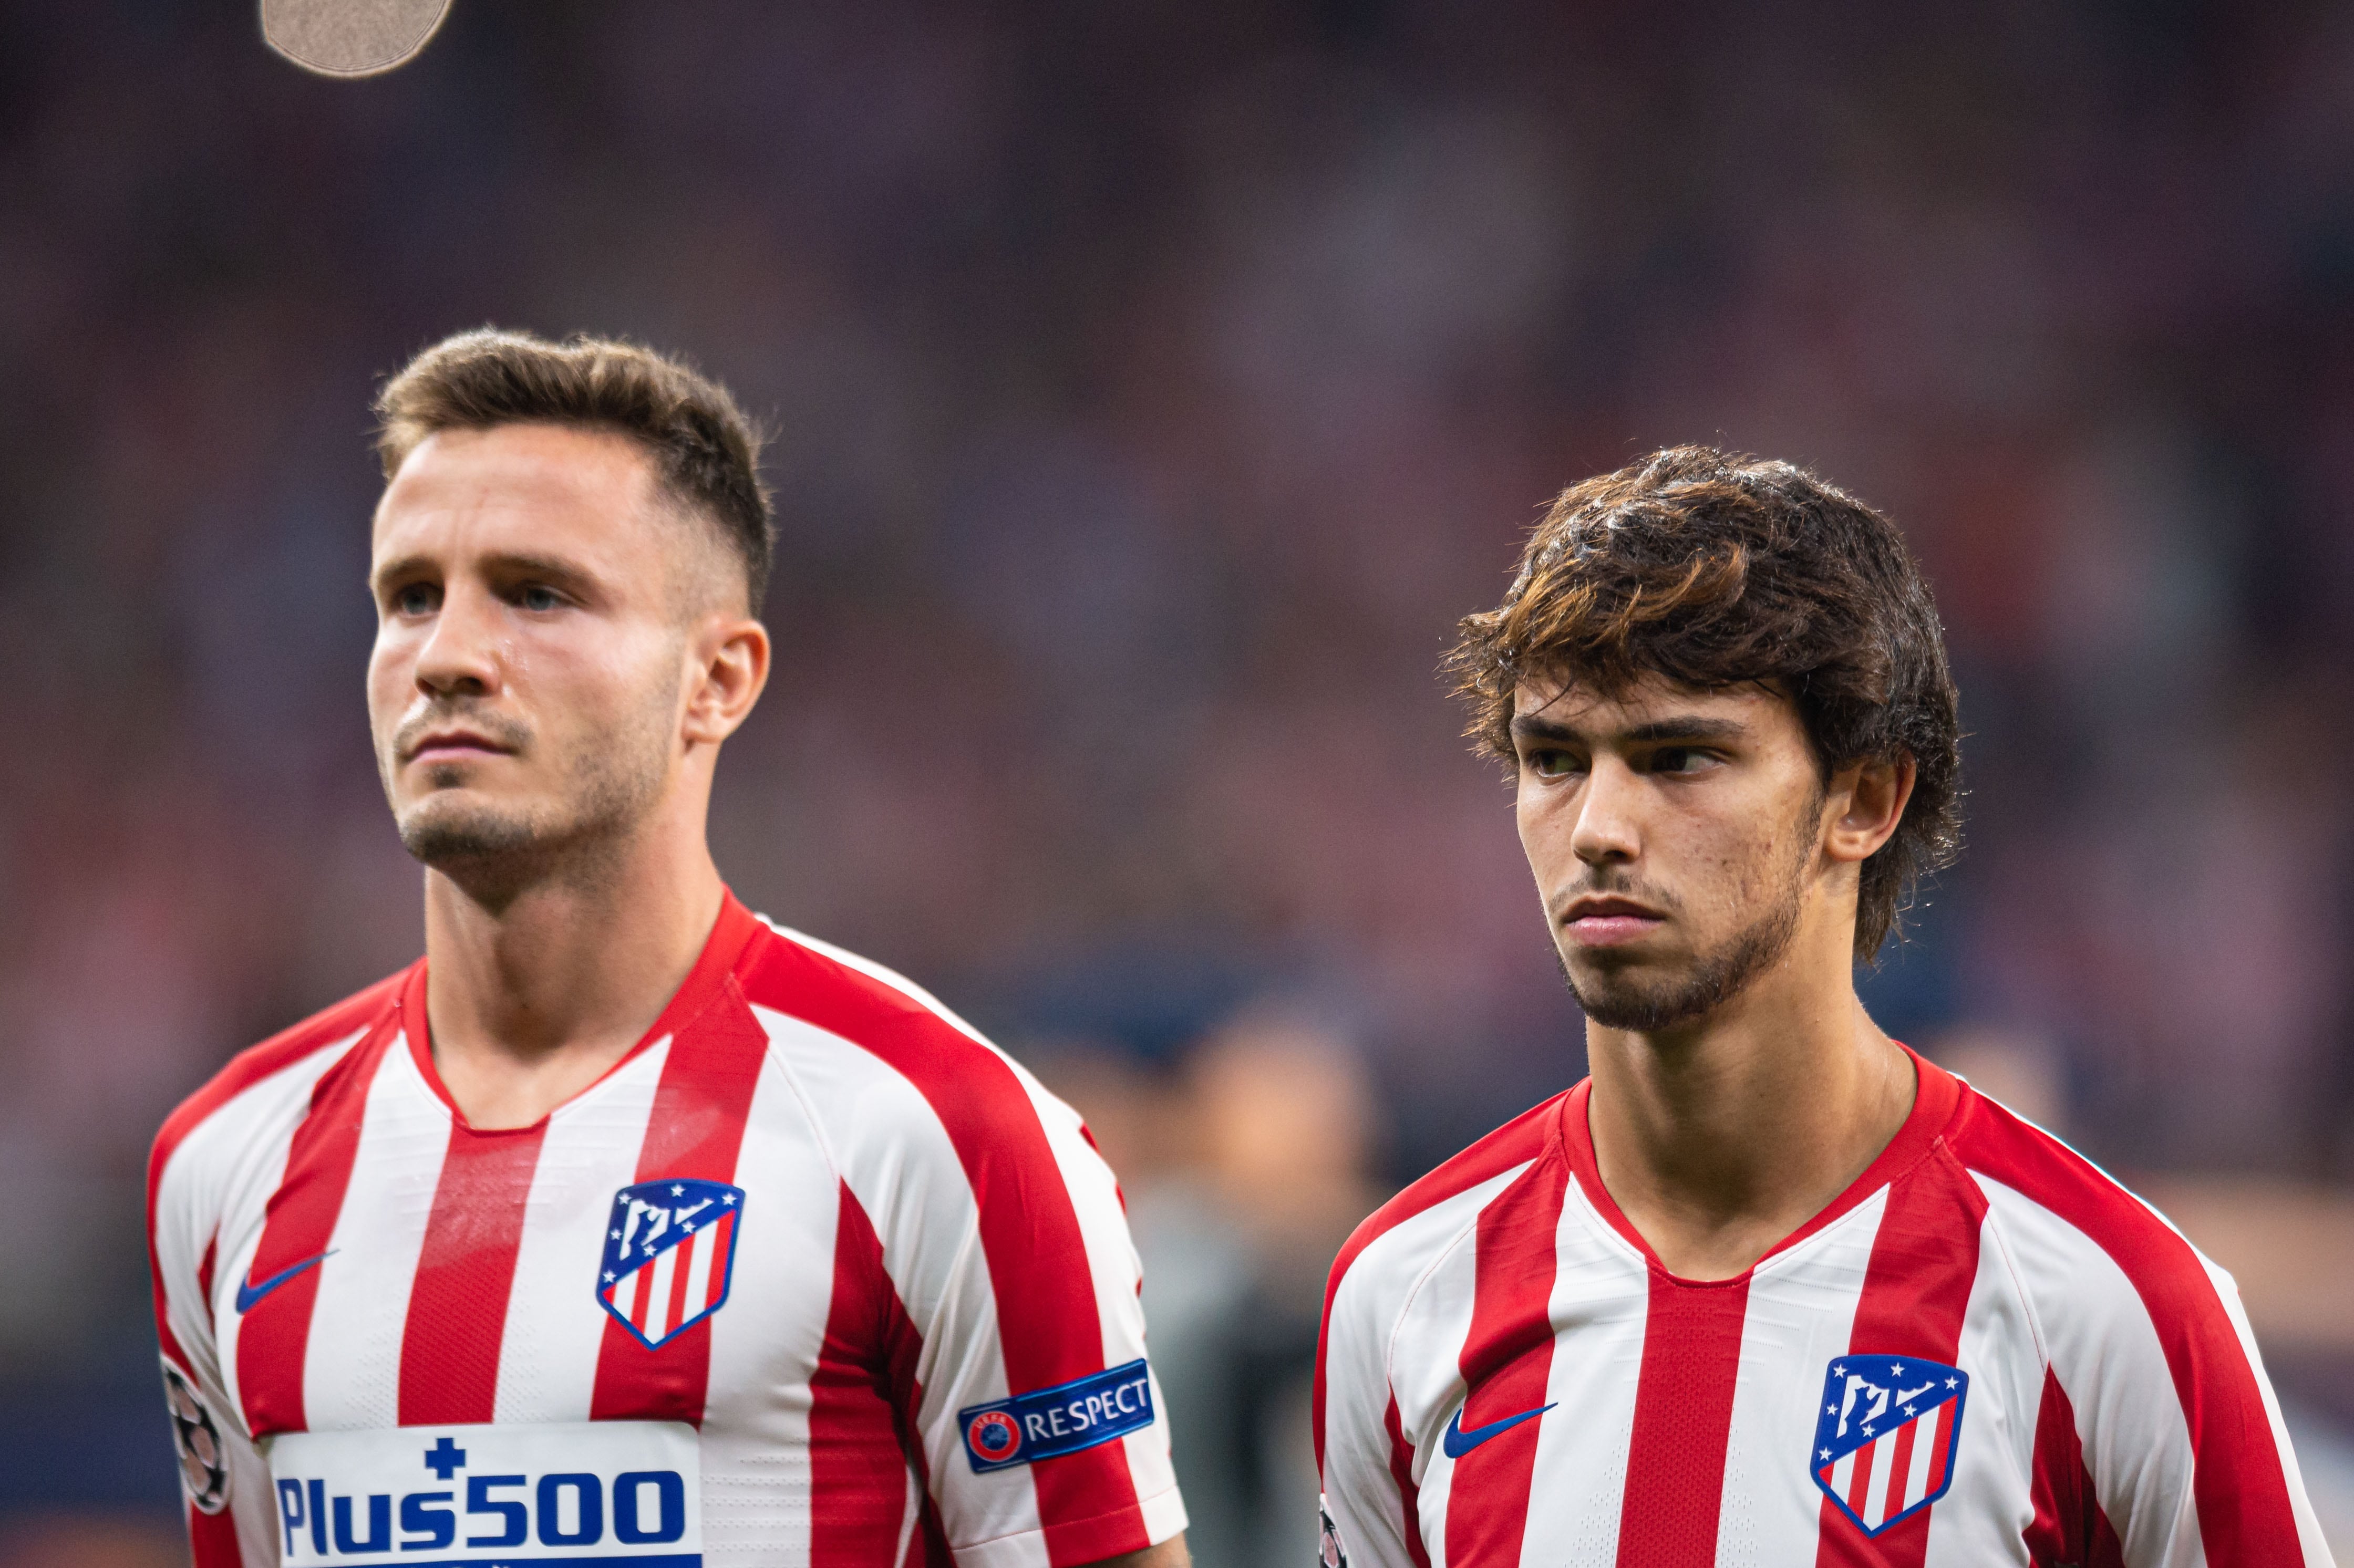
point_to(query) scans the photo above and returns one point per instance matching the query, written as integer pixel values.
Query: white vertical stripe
(215, 1191)
(351, 1363)
(2108, 1358)
(1368, 1313)
(765, 1342)
(1883, 1467)
(902, 1167)
(1600, 1301)
(1843, 1473)
(1425, 1353)
(554, 1324)
(706, 1242)
(1799, 1320)
(659, 1276)
(1927, 1441)
(1986, 1510)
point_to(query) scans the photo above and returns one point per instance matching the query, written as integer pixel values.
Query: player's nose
(1605, 828)
(461, 654)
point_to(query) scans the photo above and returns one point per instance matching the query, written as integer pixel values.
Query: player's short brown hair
(1719, 570)
(706, 454)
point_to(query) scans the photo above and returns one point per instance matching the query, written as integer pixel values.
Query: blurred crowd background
(1155, 385)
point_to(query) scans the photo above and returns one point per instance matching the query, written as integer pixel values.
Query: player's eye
(416, 598)
(538, 598)
(1680, 760)
(1550, 762)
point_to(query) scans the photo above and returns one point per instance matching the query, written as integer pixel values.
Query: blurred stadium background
(1155, 385)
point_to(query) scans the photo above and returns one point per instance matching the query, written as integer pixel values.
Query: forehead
(1570, 707)
(542, 487)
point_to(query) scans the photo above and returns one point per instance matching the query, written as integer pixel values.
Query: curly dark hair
(705, 452)
(1715, 569)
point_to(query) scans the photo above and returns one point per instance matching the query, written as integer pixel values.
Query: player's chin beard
(1622, 1001)
(496, 851)
(1620, 997)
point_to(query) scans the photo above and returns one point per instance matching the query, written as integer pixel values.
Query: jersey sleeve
(2159, 1441)
(1369, 1503)
(1011, 1328)
(224, 1482)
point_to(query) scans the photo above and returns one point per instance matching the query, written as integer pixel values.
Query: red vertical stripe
(1506, 1362)
(2238, 1481)
(1049, 1329)
(1900, 1463)
(1859, 1482)
(1518, 1141)
(696, 1130)
(298, 1225)
(1916, 1289)
(212, 1538)
(2069, 1526)
(1941, 1449)
(1683, 1415)
(458, 1305)
(682, 1271)
(863, 1397)
(1409, 1494)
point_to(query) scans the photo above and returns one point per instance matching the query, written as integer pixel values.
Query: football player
(1767, 1287)
(626, 1226)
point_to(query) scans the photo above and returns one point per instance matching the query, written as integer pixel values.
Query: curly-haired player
(1768, 1288)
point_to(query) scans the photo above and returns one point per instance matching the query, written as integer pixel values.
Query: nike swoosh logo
(248, 1292)
(1458, 1442)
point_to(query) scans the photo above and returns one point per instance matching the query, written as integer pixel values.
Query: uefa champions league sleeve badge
(1886, 1435)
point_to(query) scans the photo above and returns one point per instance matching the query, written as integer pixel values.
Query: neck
(535, 989)
(1720, 1138)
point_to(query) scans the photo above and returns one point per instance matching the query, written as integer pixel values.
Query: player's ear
(1864, 804)
(731, 667)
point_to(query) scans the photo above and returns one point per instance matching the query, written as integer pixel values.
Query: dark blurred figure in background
(1155, 386)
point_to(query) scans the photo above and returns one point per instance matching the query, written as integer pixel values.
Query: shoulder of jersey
(792, 972)
(1996, 1144)
(329, 1026)
(1520, 1140)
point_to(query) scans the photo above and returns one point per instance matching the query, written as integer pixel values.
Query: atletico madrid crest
(1886, 1435)
(670, 1249)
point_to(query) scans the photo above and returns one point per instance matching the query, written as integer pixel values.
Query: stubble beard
(1623, 1000)
(494, 851)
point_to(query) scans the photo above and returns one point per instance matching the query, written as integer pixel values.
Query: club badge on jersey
(670, 1249)
(1886, 1436)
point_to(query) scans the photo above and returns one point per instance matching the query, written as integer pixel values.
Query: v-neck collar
(704, 984)
(1935, 1101)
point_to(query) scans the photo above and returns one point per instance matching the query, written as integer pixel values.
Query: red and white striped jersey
(1985, 1352)
(815, 1275)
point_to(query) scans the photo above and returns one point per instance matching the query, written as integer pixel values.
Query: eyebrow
(565, 573)
(1675, 726)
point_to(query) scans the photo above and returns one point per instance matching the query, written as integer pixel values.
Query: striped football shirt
(813, 1275)
(1984, 1351)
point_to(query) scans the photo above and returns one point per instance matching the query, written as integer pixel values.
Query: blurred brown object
(86, 1541)
(1286, 1124)
(2017, 1070)
(2289, 1243)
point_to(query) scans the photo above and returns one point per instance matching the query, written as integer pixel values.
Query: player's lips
(1605, 922)
(447, 744)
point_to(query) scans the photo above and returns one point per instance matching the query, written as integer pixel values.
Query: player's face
(530, 657)
(1674, 834)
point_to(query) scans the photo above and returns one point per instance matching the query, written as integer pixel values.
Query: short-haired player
(626, 1226)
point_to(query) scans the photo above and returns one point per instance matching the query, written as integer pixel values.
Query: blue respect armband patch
(1052, 1422)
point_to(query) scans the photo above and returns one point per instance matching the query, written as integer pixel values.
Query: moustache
(511, 733)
